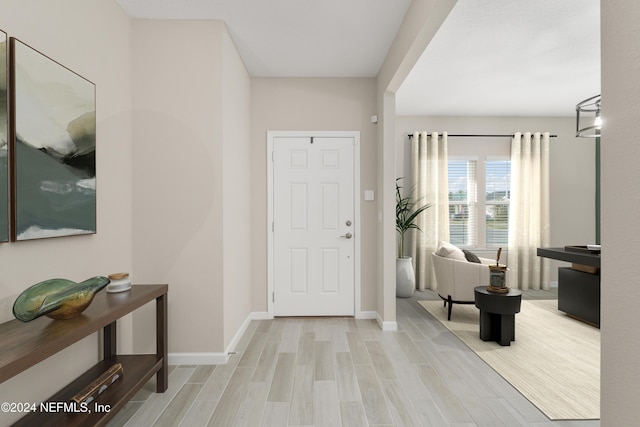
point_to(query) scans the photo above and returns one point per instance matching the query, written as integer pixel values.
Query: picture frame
(52, 147)
(4, 137)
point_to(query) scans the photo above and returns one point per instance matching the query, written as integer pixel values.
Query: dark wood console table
(25, 344)
(578, 289)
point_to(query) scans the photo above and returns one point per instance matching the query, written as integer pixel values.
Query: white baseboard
(254, 315)
(370, 315)
(259, 315)
(216, 358)
(386, 326)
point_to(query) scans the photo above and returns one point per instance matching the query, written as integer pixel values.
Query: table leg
(485, 326)
(109, 340)
(162, 377)
(507, 329)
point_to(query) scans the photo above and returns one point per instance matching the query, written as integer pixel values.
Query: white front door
(313, 226)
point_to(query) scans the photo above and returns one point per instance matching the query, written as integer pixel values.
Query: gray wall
(620, 34)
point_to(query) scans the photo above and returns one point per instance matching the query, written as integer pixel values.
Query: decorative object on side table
(406, 214)
(100, 384)
(58, 299)
(120, 282)
(497, 276)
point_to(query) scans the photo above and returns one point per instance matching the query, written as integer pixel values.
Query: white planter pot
(405, 278)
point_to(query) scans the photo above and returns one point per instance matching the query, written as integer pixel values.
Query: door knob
(348, 235)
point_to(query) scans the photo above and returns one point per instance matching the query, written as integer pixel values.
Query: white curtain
(429, 181)
(529, 215)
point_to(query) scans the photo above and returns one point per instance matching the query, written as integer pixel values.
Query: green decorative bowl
(57, 298)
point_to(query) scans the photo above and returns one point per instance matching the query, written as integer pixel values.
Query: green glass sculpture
(57, 298)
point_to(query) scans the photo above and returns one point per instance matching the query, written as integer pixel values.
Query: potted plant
(407, 212)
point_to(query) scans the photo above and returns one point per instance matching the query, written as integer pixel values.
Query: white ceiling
(508, 58)
(492, 57)
(295, 38)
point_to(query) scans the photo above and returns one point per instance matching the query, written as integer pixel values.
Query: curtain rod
(481, 136)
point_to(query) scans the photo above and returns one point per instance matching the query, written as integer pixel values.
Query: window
(498, 178)
(462, 202)
(479, 202)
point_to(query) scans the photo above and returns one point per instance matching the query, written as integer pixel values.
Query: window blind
(497, 183)
(462, 202)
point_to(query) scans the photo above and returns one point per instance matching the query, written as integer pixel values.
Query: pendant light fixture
(588, 119)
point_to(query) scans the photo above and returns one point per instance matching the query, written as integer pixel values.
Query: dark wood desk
(26, 344)
(583, 258)
(578, 290)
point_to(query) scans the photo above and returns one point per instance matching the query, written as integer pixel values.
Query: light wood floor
(335, 371)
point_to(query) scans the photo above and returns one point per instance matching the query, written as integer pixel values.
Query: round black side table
(497, 314)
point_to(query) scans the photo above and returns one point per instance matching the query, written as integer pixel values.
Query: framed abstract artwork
(4, 139)
(52, 147)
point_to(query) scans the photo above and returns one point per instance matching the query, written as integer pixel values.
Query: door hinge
(273, 297)
(273, 227)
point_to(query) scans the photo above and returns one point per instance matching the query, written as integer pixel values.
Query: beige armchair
(456, 279)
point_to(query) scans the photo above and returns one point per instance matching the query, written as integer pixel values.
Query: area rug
(554, 361)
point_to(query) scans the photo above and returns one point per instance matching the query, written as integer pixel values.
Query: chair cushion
(471, 257)
(447, 250)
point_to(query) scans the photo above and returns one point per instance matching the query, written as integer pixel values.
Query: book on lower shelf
(100, 384)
